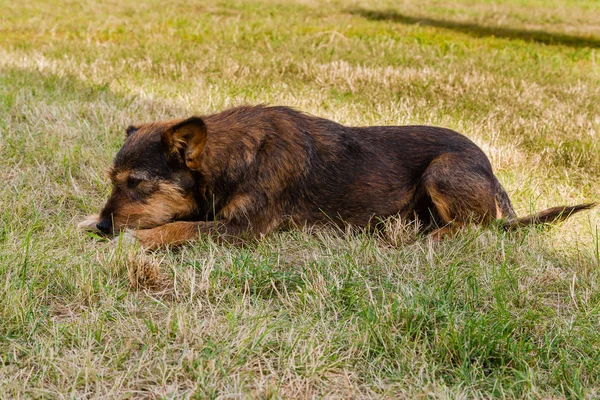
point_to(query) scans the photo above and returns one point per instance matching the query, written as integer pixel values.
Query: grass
(484, 315)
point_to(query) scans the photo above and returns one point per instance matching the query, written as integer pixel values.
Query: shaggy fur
(249, 170)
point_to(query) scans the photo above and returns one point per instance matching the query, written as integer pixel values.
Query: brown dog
(249, 170)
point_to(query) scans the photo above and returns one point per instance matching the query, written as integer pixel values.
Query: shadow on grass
(482, 31)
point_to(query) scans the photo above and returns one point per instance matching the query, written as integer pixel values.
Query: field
(300, 314)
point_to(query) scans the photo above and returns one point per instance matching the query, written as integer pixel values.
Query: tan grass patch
(144, 272)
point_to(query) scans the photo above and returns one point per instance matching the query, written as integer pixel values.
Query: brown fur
(243, 172)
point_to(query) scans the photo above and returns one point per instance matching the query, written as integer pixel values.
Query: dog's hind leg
(462, 190)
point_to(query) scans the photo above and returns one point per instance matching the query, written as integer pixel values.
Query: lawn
(300, 314)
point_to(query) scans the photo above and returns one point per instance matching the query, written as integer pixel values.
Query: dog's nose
(104, 225)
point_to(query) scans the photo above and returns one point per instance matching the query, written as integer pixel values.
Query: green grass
(299, 314)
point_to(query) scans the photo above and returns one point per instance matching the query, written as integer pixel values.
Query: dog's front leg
(176, 233)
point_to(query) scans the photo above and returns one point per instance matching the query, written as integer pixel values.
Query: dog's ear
(187, 138)
(130, 130)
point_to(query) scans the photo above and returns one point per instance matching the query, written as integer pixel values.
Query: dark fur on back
(249, 170)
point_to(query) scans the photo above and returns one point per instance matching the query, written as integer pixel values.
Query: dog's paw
(130, 237)
(127, 238)
(145, 238)
(89, 224)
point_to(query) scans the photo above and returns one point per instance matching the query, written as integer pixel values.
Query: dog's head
(152, 176)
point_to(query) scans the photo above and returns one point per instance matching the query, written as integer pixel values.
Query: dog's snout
(104, 225)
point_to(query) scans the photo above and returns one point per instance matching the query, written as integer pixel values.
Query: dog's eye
(133, 182)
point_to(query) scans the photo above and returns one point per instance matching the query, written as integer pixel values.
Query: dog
(249, 170)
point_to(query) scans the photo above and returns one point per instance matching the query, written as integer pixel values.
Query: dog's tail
(551, 215)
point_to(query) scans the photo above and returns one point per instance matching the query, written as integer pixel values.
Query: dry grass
(300, 314)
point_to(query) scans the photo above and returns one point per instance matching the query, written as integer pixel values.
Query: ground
(299, 314)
